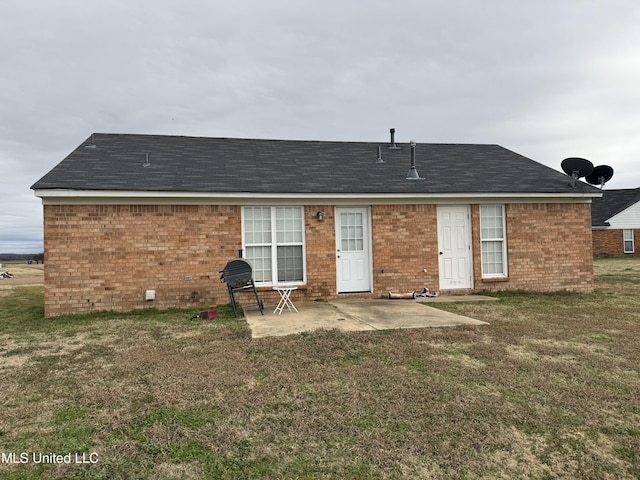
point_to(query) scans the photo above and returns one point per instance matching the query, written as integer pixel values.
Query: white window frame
(628, 232)
(503, 239)
(274, 245)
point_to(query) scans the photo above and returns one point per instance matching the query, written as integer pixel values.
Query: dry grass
(23, 270)
(549, 390)
(23, 274)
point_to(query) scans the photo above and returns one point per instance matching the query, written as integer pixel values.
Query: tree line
(22, 257)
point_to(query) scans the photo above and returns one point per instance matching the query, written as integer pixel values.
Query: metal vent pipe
(413, 172)
(393, 145)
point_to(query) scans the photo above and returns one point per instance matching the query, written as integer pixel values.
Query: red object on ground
(209, 314)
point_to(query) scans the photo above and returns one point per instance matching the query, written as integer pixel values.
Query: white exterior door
(353, 259)
(454, 247)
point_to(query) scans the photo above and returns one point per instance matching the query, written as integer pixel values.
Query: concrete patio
(356, 315)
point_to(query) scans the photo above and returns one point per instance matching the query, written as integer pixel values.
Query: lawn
(550, 389)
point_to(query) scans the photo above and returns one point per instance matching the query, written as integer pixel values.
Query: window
(627, 235)
(274, 243)
(493, 241)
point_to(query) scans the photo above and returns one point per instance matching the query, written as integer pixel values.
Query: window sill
(494, 279)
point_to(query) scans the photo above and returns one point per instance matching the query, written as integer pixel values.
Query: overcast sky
(548, 79)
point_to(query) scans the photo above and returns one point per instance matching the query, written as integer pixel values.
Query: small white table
(285, 298)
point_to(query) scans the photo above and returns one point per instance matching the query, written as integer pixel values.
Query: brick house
(124, 214)
(615, 221)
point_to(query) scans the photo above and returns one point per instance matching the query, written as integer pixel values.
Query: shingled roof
(612, 203)
(195, 164)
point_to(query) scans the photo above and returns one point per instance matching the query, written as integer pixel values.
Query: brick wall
(610, 242)
(405, 243)
(320, 240)
(104, 257)
(549, 248)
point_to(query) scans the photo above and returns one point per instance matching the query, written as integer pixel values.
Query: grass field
(22, 274)
(551, 389)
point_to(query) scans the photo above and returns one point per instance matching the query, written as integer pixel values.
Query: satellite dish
(576, 168)
(600, 175)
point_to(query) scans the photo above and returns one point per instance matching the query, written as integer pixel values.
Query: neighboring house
(124, 214)
(615, 219)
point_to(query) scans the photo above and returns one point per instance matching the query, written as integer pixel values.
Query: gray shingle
(612, 203)
(196, 164)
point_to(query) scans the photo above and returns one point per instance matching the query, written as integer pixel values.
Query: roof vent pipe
(393, 144)
(146, 163)
(379, 159)
(92, 143)
(413, 173)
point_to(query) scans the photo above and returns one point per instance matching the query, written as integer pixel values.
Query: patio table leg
(285, 299)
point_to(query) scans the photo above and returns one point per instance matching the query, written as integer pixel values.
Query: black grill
(238, 275)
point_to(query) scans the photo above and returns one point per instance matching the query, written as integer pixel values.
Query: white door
(454, 247)
(353, 264)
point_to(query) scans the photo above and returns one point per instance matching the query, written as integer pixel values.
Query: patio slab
(352, 315)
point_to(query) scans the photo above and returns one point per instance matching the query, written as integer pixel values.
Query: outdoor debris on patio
(4, 275)
(424, 293)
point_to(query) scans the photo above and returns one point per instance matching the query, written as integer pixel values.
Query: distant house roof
(612, 203)
(154, 163)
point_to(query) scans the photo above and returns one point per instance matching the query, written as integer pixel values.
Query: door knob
(440, 253)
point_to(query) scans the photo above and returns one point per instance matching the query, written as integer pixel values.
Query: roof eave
(64, 196)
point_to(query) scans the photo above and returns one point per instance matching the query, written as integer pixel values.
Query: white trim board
(117, 197)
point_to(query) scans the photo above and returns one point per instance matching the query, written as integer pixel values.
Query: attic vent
(413, 173)
(393, 145)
